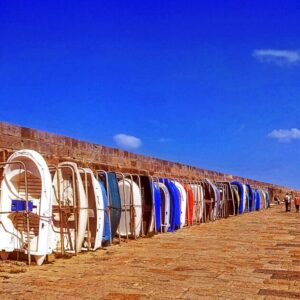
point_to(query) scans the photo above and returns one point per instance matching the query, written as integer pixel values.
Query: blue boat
(106, 229)
(110, 183)
(241, 194)
(174, 205)
(257, 200)
(115, 202)
(157, 203)
(251, 197)
(177, 211)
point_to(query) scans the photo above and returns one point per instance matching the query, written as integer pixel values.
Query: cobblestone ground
(254, 256)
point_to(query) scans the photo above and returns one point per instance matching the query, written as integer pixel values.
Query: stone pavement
(254, 256)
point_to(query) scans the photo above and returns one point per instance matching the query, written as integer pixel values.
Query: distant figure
(297, 203)
(287, 200)
(276, 199)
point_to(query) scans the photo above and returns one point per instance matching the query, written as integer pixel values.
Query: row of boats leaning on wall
(66, 209)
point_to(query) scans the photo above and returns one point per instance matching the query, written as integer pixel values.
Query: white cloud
(127, 141)
(285, 135)
(278, 57)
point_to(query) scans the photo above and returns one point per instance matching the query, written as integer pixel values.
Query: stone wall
(56, 148)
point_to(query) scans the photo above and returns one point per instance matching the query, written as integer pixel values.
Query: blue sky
(215, 85)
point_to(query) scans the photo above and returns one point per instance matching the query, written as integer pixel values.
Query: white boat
(15, 232)
(198, 202)
(215, 196)
(263, 199)
(70, 209)
(95, 223)
(165, 207)
(201, 204)
(183, 196)
(266, 199)
(131, 217)
(245, 198)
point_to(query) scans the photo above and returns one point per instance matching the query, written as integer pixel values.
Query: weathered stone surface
(236, 258)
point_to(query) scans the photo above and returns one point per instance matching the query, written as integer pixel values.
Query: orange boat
(189, 204)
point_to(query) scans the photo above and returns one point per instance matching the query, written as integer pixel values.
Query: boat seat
(20, 205)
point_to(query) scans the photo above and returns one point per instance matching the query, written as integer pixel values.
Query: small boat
(250, 197)
(26, 190)
(183, 199)
(174, 205)
(236, 198)
(242, 195)
(201, 207)
(263, 200)
(228, 205)
(267, 199)
(147, 204)
(212, 199)
(131, 217)
(257, 200)
(217, 208)
(157, 204)
(115, 202)
(198, 203)
(247, 203)
(70, 209)
(106, 235)
(165, 207)
(189, 204)
(111, 185)
(196, 194)
(95, 222)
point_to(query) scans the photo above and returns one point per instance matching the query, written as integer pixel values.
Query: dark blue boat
(174, 205)
(251, 198)
(110, 183)
(257, 200)
(157, 202)
(241, 194)
(115, 202)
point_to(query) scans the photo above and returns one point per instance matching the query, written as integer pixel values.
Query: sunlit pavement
(254, 256)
